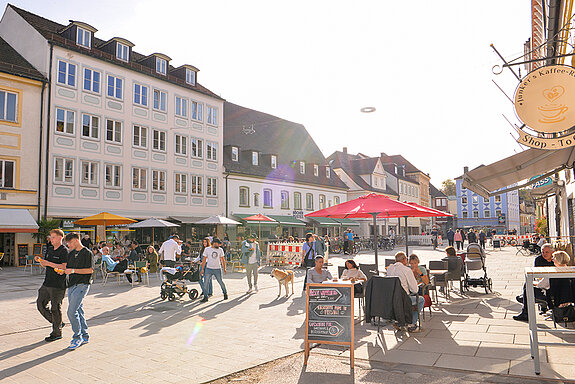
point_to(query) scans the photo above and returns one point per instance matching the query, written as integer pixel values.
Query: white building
(273, 167)
(127, 133)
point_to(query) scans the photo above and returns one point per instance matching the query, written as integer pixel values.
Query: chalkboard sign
(496, 243)
(22, 253)
(37, 249)
(329, 316)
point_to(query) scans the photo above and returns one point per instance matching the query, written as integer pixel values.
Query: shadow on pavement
(30, 364)
(19, 350)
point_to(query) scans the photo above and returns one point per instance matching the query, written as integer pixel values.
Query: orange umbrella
(259, 218)
(104, 218)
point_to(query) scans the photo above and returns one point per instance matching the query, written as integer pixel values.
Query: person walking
(53, 289)
(458, 239)
(168, 251)
(79, 268)
(213, 263)
(251, 256)
(482, 237)
(152, 259)
(450, 237)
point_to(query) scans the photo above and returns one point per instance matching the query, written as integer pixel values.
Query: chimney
(345, 150)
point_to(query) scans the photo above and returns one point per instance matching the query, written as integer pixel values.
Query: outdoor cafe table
(530, 274)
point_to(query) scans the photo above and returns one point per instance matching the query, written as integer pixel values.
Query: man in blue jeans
(79, 269)
(213, 262)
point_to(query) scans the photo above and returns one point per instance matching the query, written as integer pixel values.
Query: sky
(425, 66)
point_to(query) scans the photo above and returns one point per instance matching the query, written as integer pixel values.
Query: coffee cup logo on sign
(545, 99)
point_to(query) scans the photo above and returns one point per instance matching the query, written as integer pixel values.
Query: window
(7, 173)
(485, 200)
(90, 126)
(475, 214)
(114, 131)
(181, 107)
(160, 100)
(284, 195)
(158, 140)
(139, 179)
(464, 214)
(181, 183)
(244, 197)
(464, 200)
(66, 73)
(309, 201)
(211, 186)
(235, 154)
(83, 37)
(89, 173)
(161, 65)
(316, 170)
(486, 213)
(65, 121)
(181, 145)
(212, 117)
(327, 172)
(141, 95)
(196, 185)
(498, 198)
(321, 201)
(336, 200)
(8, 106)
(190, 77)
(498, 213)
(256, 199)
(274, 161)
(91, 80)
(140, 137)
(115, 85)
(475, 199)
(255, 158)
(63, 170)
(122, 52)
(197, 146)
(297, 201)
(197, 111)
(268, 198)
(113, 176)
(302, 167)
(211, 151)
(158, 181)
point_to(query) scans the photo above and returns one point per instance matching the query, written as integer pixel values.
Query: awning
(287, 220)
(488, 180)
(347, 222)
(325, 221)
(188, 219)
(17, 220)
(241, 216)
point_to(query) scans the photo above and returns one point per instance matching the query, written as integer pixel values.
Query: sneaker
(257, 290)
(75, 344)
(519, 299)
(225, 296)
(249, 290)
(413, 328)
(521, 317)
(204, 299)
(52, 338)
(85, 341)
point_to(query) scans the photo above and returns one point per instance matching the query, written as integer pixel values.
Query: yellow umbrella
(104, 219)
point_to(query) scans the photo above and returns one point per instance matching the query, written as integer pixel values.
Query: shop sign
(542, 182)
(545, 99)
(297, 214)
(68, 223)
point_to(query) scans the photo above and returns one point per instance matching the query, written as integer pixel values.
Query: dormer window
(190, 77)
(316, 170)
(274, 161)
(161, 65)
(235, 154)
(302, 167)
(83, 37)
(122, 52)
(255, 158)
(327, 172)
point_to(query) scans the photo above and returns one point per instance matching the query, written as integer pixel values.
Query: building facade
(440, 201)
(126, 133)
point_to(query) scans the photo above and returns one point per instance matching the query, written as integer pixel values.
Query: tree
(44, 228)
(448, 187)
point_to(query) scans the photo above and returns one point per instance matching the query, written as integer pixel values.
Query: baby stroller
(175, 283)
(475, 261)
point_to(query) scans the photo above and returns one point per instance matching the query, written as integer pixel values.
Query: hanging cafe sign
(545, 102)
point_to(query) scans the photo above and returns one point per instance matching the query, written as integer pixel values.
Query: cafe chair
(30, 262)
(389, 262)
(106, 273)
(369, 270)
(438, 265)
(359, 296)
(142, 266)
(98, 267)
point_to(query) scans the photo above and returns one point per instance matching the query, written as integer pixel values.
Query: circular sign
(367, 109)
(545, 99)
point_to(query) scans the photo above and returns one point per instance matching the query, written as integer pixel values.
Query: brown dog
(283, 278)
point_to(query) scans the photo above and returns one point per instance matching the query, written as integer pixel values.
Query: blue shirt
(306, 248)
(350, 236)
(110, 264)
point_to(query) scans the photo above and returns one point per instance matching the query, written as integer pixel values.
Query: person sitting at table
(115, 266)
(152, 259)
(560, 291)
(317, 274)
(454, 267)
(419, 271)
(409, 284)
(355, 275)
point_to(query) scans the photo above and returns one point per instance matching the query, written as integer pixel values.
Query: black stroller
(475, 261)
(175, 283)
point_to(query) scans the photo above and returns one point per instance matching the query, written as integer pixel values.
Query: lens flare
(197, 328)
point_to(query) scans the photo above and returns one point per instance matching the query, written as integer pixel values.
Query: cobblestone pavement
(136, 337)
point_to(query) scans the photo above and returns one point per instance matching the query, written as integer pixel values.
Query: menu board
(22, 253)
(37, 249)
(329, 315)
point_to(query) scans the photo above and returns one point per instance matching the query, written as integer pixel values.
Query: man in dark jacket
(450, 236)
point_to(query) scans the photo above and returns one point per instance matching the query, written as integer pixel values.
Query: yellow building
(21, 94)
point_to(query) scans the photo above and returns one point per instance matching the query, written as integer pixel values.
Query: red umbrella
(259, 218)
(428, 211)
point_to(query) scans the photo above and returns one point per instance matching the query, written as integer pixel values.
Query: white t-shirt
(170, 248)
(213, 256)
(253, 257)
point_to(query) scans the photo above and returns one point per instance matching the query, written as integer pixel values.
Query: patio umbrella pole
(375, 242)
(406, 245)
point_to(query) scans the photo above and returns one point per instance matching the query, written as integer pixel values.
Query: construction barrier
(285, 254)
(518, 239)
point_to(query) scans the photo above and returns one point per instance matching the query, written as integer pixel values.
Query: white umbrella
(153, 223)
(218, 219)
